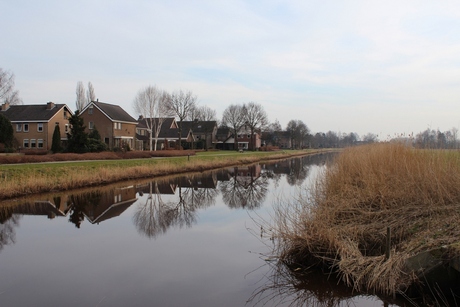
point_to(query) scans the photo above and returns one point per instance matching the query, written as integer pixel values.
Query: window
(40, 127)
(66, 128)
(25, 143)
(117, 126)
(65, 114)
(26, 127)
(33, 143)
(90, 110)
(40, 143)
(90, 125)
(18, 127)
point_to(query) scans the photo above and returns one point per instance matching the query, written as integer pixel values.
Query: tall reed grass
(342, 223)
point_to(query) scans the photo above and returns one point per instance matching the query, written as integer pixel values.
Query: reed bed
(341, 223)
(24, 179)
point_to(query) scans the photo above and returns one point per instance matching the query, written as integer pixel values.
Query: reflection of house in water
(158, 187)
(103, 206)
(223, 175)
(279, 167)
(245, 174)
(48, 208)
(207, 180)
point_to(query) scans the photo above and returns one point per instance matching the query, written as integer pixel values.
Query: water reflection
(246, 187)
(39, 234)
(160, 203)
(295, 287)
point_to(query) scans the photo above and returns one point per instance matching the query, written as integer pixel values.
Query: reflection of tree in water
(299, 168)
(155, 216)
(8, 222)
(299, 287)
(151, 217)
(298, 172)
(246, 192)
(79, 202)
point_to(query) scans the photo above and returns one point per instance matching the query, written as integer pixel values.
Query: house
(167, 138)
(34, 125)
(226, 140)
(204, 132)
(116, 127)
(282, 139)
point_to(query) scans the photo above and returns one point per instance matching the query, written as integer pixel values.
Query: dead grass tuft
(342, 223)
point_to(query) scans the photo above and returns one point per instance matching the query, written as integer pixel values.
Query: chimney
(49, 105)
(140, 117)
(5, 106)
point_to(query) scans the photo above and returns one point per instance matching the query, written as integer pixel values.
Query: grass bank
(342, 224)
(22, 179)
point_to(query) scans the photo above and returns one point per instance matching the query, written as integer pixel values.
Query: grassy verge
(22, 179)
(342, 225)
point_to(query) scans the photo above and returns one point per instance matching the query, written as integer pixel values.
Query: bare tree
(255, 119)
(90, 94)
(7, 92)
(80, 101)
(233, 118)
(205, 113)
(181, 104)
(151, 103)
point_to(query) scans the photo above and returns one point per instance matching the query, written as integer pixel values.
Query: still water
(180, 241)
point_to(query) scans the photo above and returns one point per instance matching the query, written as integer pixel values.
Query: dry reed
(342, 224)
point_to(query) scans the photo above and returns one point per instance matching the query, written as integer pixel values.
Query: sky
(382, 67)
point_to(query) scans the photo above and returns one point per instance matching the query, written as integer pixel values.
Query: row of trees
(155, 104)
(437, 139)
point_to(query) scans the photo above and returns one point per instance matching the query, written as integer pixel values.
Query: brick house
(167, 138)
(34, 125)
(116, 127)
(204, 132)
(226, 140)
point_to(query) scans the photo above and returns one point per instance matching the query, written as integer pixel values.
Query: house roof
(168, 122)
(113, 112)
(200, 127)
(33, 112)
(167, 129)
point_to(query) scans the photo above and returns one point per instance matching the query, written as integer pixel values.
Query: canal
(179, 241)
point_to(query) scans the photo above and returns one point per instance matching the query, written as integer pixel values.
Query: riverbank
(369, 192)
(23, 179)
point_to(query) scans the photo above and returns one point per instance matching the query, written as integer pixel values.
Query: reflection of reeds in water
(343, 225)
(291, 286)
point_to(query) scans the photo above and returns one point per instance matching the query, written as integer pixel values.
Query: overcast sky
(384, 67)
